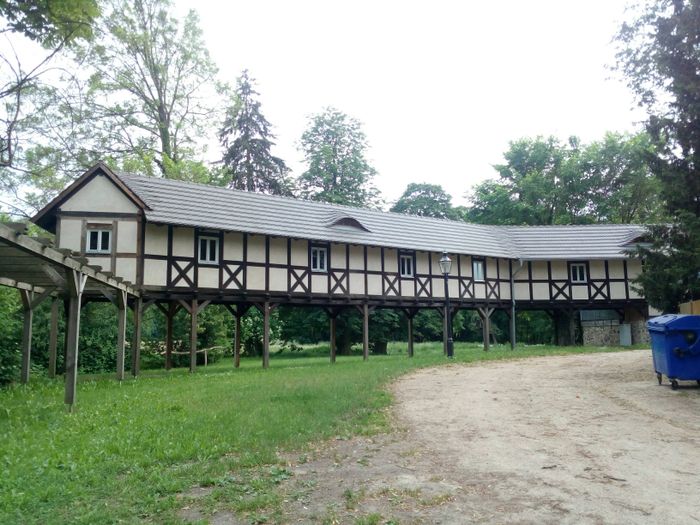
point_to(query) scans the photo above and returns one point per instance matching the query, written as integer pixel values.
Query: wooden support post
(266, 335)
(194, 311)
(410, 336)
(136, 341)
(512, 327)
(28, 311)
(169, 316)
(53, 337)
(485, 314)
(121, 332)
(365, 332)
(237, 343)
(76, 284)
(332, 337)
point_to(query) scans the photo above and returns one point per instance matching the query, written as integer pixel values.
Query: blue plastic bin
(675, 347)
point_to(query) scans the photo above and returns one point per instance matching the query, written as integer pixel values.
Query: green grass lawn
(129, 450)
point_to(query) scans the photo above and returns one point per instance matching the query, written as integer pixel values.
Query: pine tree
(247, 141)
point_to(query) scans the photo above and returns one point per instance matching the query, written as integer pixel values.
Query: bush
(10, 335)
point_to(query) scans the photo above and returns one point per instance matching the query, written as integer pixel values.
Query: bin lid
(674, 322)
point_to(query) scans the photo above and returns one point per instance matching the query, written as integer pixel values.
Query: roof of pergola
(33, 264)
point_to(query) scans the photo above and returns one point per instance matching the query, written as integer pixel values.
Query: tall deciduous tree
(427, 200)
(335, 149)
(247, 140)
(659, 55)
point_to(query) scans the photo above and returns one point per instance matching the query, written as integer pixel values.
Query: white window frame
(207, 259)
(581, 271)
(317, 267)
(100, 233)
(479, 263)
(409, 264)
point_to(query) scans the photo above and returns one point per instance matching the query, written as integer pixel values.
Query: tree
(247, 141)
(153, 90)
(659, 55)
(334, 146)
(427, 200)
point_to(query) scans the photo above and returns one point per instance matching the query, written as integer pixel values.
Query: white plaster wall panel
(156, 241)
(256, 248)
(422, 262)
(300, 253)
(357, 284)
(154, 273)
(468, 269)
(357, 258)
(126, 268)
(105, 262)
(634, 268)
(540, 291)
(278, 280)
(374, 285)
(579, 293)
(99, 195)
(255, 278)
(391, 260)
(127, 236)
(183, 242)
(505, 291)
(71, 234)
(480, 290)
(436, 265)
(438, 287)
(616, 269)
(319, 283)
(278, 250)
(491, 268)
(597, 269)
(407, 288)
(522, 292)
(463, 263)
(504, 268)
(338, 256)
(208, 277)
(374, 259)
(633, 293)
(539, 270)
(233, 246)
(560, 270)
(453, 287)
(617, 290)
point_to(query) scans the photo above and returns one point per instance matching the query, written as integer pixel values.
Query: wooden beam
(28, 314)
(38, 299)
(194, 312)
(334, 319)
(266, 334)
(53, 337)
(237, 343)
(485, 314)
(76, 284)
(410, 336)
(136, 341)
(169, 316)
(121, 305)
(365, 332)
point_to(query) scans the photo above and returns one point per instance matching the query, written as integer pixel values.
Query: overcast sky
(441, 87)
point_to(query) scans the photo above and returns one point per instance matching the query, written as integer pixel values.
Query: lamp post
(445, 267)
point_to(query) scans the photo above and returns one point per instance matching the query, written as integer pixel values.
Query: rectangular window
(319, 259)
(209, 250)
(99, 241)
(406, 265)
(478, 269)
(577, 273)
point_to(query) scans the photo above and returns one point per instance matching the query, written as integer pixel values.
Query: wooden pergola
(39, 271)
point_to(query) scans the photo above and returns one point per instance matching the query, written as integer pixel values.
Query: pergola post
(53, 337)
(121, 332)
(75, 284)
(28, 314)
(266, 334)
(136, 341)
(194, 311)
(365, 332)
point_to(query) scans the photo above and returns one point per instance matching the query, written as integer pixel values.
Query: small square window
(319, 259)
(209, 250)
(406, 265)
(99, 241)
(478, 270)
(577, 273)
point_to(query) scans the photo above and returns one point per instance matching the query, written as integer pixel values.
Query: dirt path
(574, 439)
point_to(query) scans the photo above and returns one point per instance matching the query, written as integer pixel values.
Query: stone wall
(601, 333)
(640, 334)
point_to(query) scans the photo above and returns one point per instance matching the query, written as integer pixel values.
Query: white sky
(441, 87)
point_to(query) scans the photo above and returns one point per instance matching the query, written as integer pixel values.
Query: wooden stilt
(237, 343)
(53, 337)
(76, 283)
(194, 311)
(28, 312)
(332, 338)
(121, 333)
(512, 327)
(169, 316)
(410, 336)
(365, 331)
(266, 335)
(485, 314)
(136, 341)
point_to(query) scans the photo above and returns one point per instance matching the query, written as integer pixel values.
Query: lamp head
(445, 263)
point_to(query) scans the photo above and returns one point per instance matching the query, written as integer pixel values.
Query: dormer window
(319, 259)
(343, 219)
(208, 250)
(98, 241)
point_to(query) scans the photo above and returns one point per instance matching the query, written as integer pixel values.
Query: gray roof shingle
(189, 204)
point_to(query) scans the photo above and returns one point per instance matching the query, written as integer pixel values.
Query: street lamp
(445, 267)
